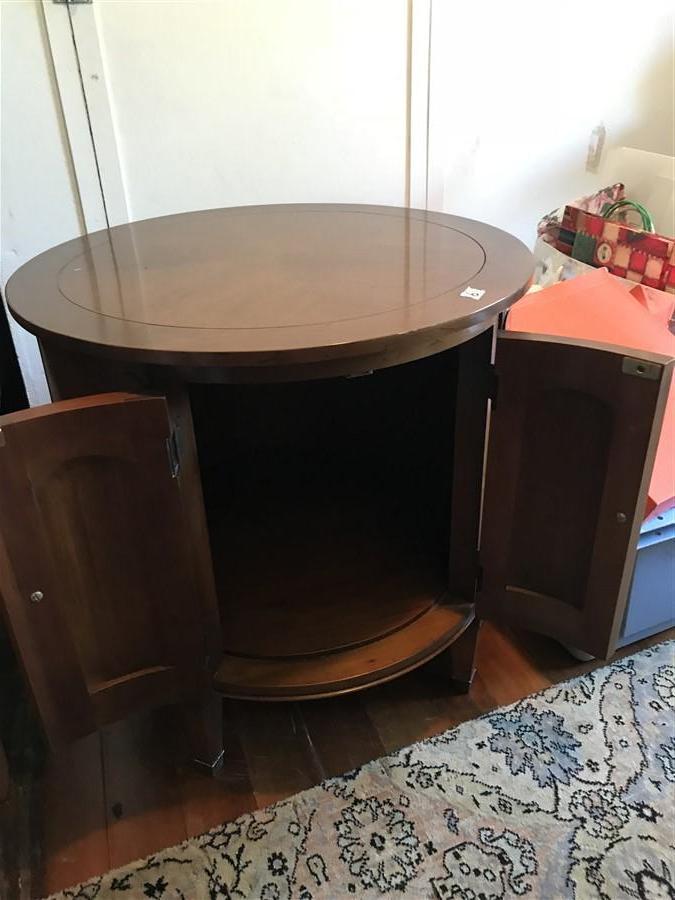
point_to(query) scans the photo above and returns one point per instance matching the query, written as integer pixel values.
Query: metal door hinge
(173, 454)
(641, 368)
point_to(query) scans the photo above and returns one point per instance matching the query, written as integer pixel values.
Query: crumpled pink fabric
(600, 307)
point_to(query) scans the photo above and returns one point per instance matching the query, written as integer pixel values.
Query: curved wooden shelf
(348, 670)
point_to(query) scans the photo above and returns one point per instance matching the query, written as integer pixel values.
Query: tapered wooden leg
(203, 725)
(457, 663)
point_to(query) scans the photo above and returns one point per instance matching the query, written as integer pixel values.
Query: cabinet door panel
(99, 584)
(572, 441)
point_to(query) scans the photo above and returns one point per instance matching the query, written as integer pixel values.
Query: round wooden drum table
(326, 370)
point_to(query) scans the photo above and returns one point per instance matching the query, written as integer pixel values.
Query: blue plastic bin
(651, 605)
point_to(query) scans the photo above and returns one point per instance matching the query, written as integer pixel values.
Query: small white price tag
(472, 293)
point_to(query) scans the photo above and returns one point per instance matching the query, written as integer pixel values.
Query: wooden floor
(126, 792)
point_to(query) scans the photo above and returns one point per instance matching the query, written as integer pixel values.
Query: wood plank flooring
(127, 792)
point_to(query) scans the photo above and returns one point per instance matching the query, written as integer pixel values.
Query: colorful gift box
(625, 251)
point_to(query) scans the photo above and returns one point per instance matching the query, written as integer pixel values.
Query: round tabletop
(258, 285)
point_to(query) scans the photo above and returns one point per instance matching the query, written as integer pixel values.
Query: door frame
(74, 36)
(74, 42)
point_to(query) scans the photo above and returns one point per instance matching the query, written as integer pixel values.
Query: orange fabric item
(658, 303)
(600, 307)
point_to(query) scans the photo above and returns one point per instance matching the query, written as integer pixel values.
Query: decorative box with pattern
(626, 251)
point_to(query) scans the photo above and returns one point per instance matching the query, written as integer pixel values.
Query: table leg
(203, 724)
(457, 663)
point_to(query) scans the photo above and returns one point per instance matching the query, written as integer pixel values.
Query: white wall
(39, 202)
(517, 89)
(230, 102)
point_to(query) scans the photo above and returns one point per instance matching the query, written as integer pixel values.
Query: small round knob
(36, 596)
(621, 518)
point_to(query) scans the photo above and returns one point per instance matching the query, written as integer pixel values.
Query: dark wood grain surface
(572, 444)
(272, 285)
(370, 663)
(96, 561)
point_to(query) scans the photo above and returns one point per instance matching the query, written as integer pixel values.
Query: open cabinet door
(572, 441)
(96, 571)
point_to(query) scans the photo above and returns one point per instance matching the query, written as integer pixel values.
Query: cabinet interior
(328, 504)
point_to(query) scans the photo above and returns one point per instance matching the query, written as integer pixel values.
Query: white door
(204, 103)
(38, 191)
(162, 106)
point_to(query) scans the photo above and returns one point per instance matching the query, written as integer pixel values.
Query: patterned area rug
(569, 793)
